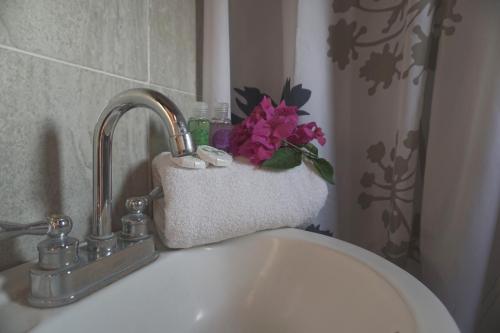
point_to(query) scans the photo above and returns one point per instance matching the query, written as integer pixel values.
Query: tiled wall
(60, 62)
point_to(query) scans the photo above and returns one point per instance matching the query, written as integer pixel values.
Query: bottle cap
(222, 110)
(214, 156)
(201, 108)
(222, 106)
(189, 162)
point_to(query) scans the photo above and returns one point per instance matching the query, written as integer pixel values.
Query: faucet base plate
(91, 273)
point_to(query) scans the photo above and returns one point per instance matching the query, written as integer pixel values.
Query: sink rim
(429, 313)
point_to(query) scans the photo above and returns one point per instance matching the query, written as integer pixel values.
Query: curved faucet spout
(179, 140)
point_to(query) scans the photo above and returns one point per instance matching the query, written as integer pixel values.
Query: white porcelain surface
(275, 281)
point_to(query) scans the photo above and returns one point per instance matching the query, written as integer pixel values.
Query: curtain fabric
(416, 107)
(460, 225)
(408, 92)
(216, 58)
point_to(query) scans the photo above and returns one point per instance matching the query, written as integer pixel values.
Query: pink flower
(261, 134)
(305, 133)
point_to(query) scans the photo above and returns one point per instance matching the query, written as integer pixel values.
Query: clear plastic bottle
(199, 125)
(220, 127)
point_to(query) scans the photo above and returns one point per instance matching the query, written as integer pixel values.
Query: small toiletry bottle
(220, 127)
(199, 125)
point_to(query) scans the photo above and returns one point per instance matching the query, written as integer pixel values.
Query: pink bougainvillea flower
(320, 136)
(261, 134)
(305, 133)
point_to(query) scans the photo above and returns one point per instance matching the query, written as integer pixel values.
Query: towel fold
(203, 206)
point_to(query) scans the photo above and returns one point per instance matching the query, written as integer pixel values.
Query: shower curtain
(408, 92)
(416, 103)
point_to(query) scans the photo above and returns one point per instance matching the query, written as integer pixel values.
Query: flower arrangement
(271, 136)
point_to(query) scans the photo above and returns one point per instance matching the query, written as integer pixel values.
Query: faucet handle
(139, 204)
(156, 193)
(54, 224)
(58, 250)
(134, 224)
(11, 230)
(136, 205)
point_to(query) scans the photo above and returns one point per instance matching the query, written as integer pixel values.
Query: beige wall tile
(173, 44)
(107, 35)
(48, 109)
(48, 112)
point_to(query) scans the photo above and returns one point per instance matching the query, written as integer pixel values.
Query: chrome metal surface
(134, 224)
(55, 225)
(55, 252)
(66, 272)
(101, 238)
(139, 204)
(136, 204)
(156, 193)
(57, 287)
(58, 250)
(10, 229)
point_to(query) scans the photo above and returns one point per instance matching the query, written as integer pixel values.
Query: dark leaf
(316, 229)
(242, 106)
(299, 96)
(311, 148)
(284, 158)
(303, 113)
(235, 119)
(296, 96)
(252, 97)
(325, 169)
(286, 90)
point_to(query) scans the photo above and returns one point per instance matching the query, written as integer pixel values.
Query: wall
(60, 62)
(256, 46)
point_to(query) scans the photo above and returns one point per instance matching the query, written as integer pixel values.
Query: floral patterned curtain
(391, 50)
(412, 128)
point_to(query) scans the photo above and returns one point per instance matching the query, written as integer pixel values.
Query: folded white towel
(203, 206)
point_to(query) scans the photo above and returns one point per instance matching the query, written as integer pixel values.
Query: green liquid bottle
(199, 125)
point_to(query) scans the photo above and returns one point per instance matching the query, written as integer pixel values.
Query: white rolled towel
(203, 206)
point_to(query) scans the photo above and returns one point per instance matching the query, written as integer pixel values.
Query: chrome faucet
(65, 271)
(101, 239)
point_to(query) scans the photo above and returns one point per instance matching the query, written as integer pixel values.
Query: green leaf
(324, 169)
(311, 148)
(284, 158)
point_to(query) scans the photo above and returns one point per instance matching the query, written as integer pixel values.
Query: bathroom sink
(283, 280)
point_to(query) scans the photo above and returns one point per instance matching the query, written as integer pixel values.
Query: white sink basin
(275, 281)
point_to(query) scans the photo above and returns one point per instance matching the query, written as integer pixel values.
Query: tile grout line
(148, 128)
(90, 69)
(148, 38)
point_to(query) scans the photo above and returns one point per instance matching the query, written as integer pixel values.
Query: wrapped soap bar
(190, 162)
(214, 156)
